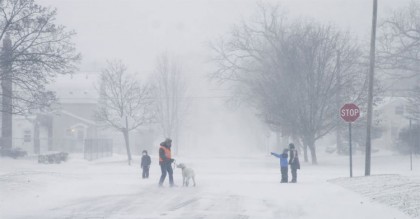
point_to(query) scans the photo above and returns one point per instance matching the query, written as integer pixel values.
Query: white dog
(187, 174)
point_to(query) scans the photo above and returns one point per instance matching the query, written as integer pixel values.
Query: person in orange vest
(165, 162)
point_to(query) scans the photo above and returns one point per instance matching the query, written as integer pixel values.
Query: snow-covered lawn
(228, 187)
(394, 190)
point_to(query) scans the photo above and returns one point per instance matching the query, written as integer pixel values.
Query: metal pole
(350, 152)
(370, 91)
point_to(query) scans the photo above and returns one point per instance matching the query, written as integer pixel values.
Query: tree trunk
(127, 144)
(312, 148)
(309, 141)
(6, 85)
(305, 153)
(176, 151)
(338, 140)
(50, 133)
(37, 143)
(338, 105)
(279, 141)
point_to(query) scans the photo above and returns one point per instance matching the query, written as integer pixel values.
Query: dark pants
(166, 167)
(294, 173)
(145, 172)
(284, 174)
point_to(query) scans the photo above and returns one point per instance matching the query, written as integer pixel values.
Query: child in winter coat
(283, 165)
(145, 164)
(294, 162)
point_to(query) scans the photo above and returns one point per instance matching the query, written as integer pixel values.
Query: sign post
(411, 147)
(350, 113)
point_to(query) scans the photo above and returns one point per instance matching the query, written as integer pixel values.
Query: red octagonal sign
(349, 112)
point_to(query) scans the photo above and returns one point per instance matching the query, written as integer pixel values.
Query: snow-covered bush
(53, 157)
(409, 140)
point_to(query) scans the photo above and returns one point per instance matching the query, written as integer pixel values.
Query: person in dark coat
(294, 162)
(283, 165)
(165, 162)
(145, 164)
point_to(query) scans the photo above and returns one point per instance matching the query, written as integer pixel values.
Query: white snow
(228, 187)
(391, 189)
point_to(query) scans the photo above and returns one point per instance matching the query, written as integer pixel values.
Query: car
(13, 152)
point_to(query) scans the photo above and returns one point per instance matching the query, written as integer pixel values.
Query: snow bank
(394, 190)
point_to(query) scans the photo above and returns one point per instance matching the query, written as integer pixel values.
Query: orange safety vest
(167, 153)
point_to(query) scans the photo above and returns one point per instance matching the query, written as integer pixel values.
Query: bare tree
(399, 41)
(34, 49)
(170, 91)
(414, 103)
(125, 104)
(399, 48)
(288, 72)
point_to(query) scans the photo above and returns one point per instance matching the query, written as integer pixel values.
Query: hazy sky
(136, 31)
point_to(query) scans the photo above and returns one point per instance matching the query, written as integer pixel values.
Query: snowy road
(234, 188)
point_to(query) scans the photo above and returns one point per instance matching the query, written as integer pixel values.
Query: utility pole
(370, 91)
(6, 86)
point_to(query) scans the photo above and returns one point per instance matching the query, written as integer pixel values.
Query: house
(69, 123)
(73, 119)
(393, 111)
(393, 117)
(32, 133)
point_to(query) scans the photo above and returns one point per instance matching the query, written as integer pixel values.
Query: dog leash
(174, 165)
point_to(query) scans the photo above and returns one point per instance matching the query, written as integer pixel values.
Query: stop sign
(349, 112)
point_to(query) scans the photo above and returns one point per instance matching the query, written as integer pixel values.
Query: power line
(188, 97)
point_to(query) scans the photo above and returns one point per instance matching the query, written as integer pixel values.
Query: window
(399, 110)
(27, 136)
(70, 132)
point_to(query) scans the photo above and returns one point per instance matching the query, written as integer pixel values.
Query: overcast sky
(137, 30)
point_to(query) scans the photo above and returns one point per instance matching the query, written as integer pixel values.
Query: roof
(76, 88)
(386, 101)
(87, 121)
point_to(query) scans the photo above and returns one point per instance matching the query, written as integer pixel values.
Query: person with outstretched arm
(283, 165)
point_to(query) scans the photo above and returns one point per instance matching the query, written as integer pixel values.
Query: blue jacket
(283, 159)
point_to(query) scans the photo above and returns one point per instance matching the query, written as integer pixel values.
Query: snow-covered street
(241, 187)
(264, 104)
